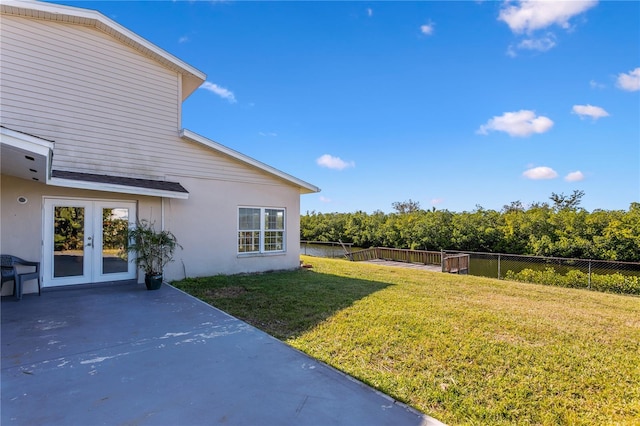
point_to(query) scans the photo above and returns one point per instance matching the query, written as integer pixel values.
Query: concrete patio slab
(118, 354)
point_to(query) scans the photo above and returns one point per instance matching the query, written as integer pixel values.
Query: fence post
(498, 266)
(589, 275)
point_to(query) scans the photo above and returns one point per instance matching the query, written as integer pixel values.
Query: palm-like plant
(153, 249)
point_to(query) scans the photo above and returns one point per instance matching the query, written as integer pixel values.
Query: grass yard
(463, 349)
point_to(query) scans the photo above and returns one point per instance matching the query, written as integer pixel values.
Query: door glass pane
(68, 241)
(115, 223)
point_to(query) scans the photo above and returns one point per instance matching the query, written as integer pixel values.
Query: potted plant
(153, 249)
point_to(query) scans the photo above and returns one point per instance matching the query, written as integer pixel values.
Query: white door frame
(92, 247)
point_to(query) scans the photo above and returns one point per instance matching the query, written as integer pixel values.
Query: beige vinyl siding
(193, 160)
(103, 103)
(108, 108)
(88, 50)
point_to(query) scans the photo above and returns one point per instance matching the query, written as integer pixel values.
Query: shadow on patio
(119, 354)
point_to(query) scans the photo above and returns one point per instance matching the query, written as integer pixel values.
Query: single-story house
(91, 142)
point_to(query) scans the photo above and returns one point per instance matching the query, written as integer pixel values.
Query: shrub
(616, 283)
(607, 283)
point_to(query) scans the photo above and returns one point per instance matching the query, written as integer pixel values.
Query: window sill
(267, 254)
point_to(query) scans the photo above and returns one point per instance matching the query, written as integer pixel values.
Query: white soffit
(192, 77)
(305, 187)
(25, 156)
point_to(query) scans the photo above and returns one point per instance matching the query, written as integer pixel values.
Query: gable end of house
(192, 78)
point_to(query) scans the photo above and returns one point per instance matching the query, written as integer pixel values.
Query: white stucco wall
(207, 227)
(205, 224)
(21, 225)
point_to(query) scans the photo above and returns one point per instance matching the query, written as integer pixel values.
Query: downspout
(162, 213)
(162, 222)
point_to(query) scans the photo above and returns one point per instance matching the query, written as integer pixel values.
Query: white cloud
(538, 173)
(595, 85)
(525, 16)
(369, 12)
(324, 199)
(336, 163)
(273, 134)
(520, 123)
(183, 39)
(576, 176)
(220, 91)
(540, 44)
(629, 81)
(436, 201)
(427, 29)
(590, 111)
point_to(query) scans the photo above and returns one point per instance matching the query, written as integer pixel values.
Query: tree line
(560, 228)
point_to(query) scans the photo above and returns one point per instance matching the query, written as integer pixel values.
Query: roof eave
(121, 189)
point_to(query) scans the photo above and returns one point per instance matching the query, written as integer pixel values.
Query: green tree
(562, 229)
(476, 231)
(567, 202)
(403, 207)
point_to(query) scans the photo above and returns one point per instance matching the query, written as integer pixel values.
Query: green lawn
(463, 349)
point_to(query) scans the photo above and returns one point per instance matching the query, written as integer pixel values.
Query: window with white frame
(261, 230)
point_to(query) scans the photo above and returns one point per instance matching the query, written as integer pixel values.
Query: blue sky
(452, 104)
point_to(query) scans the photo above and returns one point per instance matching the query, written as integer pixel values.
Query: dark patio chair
(10, 273)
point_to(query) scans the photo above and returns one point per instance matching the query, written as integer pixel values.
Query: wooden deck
(419, 266)
(437, 261)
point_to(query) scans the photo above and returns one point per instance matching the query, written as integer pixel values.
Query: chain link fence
(600, 275)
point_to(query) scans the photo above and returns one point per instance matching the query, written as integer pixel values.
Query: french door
(85, 241)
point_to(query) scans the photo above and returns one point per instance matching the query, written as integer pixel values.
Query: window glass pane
(273, 219)
(248, 241)
(249, 219)
(274, 241)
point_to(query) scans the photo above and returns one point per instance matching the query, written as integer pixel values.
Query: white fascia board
(70, 14)
(121, 189)
(26, 142)
(305, 187)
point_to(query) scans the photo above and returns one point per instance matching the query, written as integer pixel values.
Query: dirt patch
(226, 292)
